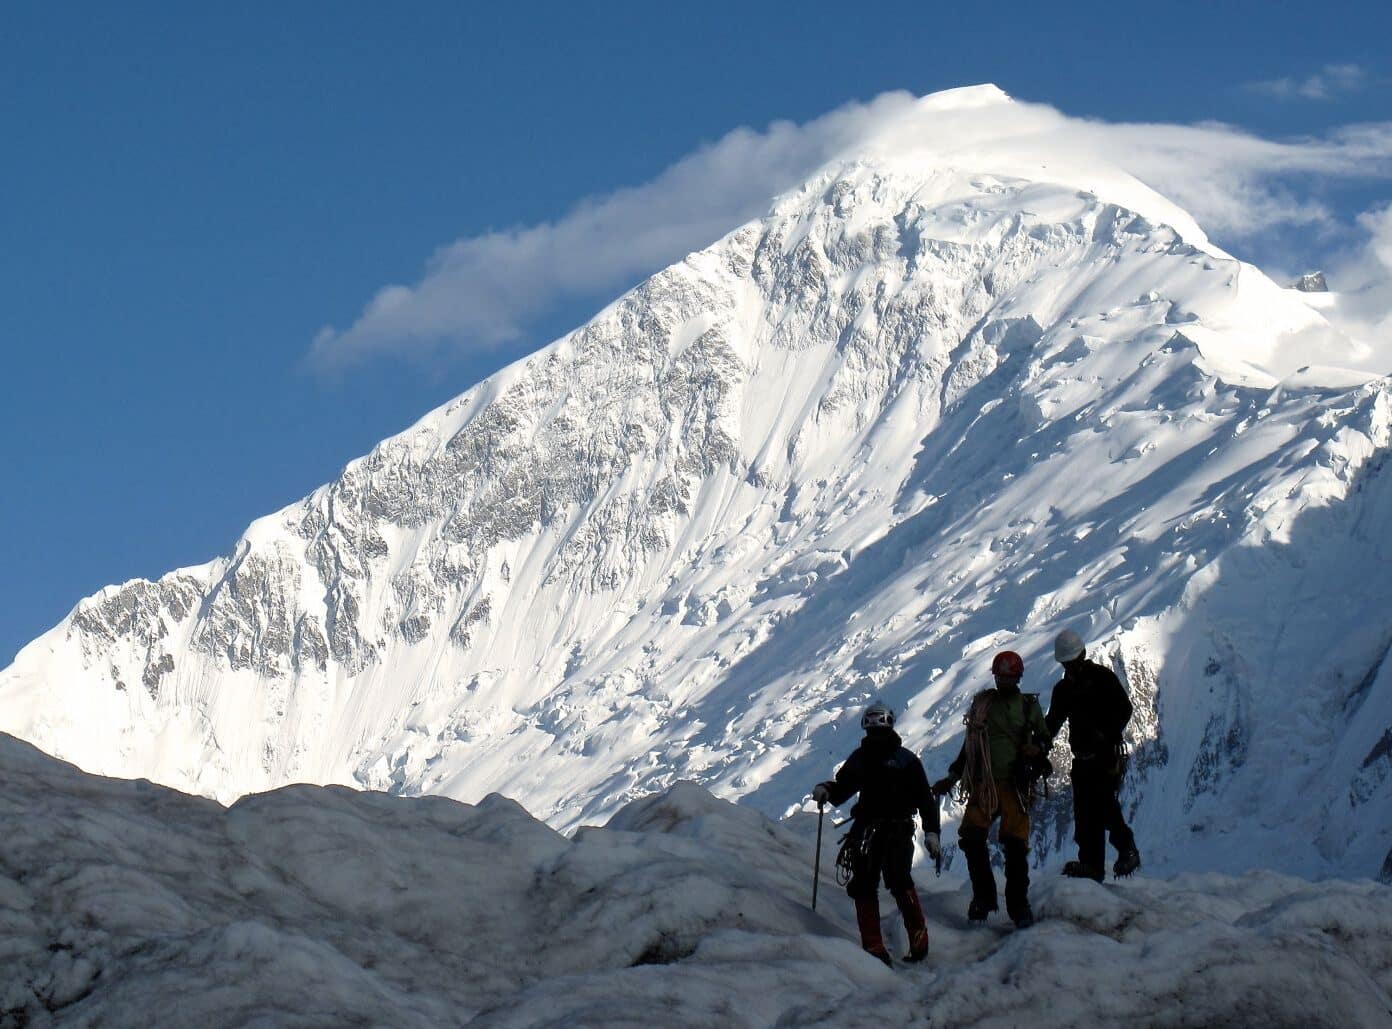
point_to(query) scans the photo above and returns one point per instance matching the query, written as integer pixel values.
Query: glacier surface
(127, 904)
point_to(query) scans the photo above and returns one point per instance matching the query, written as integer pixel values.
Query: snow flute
(817, 862)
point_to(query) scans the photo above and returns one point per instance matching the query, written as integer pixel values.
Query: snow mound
(128, 904)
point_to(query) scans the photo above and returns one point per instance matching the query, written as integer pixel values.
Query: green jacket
(1015, 719)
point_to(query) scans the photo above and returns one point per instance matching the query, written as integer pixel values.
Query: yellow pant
(1014, 818)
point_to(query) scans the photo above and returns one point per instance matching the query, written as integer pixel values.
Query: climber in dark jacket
(1092, 700)
(892, 786)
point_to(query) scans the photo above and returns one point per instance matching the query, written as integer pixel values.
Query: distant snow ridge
(922, 410)
(125, 904)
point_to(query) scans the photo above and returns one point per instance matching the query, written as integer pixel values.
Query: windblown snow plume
(933, 404)
(124, 904)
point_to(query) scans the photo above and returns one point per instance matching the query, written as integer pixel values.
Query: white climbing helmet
(1068, 646)
(877, 716)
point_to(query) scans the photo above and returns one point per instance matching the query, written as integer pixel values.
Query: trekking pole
(817, 864)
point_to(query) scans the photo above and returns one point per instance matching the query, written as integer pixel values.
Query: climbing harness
(857, 846)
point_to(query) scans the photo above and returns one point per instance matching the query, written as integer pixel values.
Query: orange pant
(1013, 816)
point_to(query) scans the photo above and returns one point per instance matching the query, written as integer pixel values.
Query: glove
(944, 785)
(933, 842)
(820, 793)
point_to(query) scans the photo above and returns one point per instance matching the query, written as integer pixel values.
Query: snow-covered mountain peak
(966, 98)
(927, 407)
(981, 130)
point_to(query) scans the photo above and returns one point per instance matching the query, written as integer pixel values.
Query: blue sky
(192, 195)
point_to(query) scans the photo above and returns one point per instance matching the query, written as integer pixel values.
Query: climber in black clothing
(892, 786)
(1092, 700)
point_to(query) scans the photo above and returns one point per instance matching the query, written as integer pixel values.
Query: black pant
(880, 849)
(983, 879)
(1097, 811)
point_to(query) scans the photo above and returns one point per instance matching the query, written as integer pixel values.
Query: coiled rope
(977, 780)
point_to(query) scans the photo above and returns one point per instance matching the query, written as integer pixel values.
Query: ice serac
(935, 403)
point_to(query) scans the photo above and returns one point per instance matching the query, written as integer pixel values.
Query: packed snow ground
(128, 904)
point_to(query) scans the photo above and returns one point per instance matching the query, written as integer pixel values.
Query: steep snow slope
(943, 399)
(127, 904)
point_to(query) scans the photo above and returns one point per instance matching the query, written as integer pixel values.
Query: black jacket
(1092, 700)
(890, 780)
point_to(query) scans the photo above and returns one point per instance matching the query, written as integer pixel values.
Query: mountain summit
(939, 401)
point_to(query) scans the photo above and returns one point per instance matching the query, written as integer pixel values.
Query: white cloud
(1330, 81)
(1363, 280)
(486, 291)
(1235, 183)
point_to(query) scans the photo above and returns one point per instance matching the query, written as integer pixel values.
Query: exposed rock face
(1312, 282)
(912, 416)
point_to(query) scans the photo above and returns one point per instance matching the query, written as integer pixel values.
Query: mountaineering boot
(983, 880)
(868, 921)
(1017, 882)
(1079, 870)
(977, 910)
(1126, 863)
(914, 924)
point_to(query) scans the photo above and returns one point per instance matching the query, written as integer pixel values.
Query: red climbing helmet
(1008, 664)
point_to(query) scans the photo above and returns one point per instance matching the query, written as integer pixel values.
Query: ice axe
(937, 861)
(817, 863)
